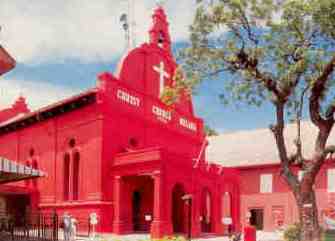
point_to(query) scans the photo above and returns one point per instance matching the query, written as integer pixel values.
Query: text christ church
(120, 152)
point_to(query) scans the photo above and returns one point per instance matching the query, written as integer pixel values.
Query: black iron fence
(29, 227)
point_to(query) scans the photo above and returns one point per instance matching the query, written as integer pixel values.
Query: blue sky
(62, 45)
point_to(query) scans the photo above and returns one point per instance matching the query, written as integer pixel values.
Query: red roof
(48, 111)
(7, 63)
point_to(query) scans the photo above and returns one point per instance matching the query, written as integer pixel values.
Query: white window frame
(266, 183)
(331, 180)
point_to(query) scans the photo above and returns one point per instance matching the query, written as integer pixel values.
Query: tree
(210, 131)
(277, 51)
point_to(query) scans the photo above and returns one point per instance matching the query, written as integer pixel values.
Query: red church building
(120, 152)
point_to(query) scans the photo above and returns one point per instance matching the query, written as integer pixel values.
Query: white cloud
(38, 94)
(47, 30)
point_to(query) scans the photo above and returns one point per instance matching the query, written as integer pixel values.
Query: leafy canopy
(271, 49)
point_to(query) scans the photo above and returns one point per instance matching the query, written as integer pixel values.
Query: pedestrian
(73, 229)
(66, 226)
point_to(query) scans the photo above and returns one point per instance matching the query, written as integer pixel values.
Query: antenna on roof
(125, 26)
(160, 3)
(129, 24)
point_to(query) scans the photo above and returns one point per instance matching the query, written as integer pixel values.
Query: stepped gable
(18, 109)
(151, 67)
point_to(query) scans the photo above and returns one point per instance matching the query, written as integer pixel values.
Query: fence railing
(29, 227)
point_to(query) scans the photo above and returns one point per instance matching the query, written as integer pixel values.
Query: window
(75, 176)
(226, 205)
(66, 172)
(266, 183)
(71, 172)
(331, 180)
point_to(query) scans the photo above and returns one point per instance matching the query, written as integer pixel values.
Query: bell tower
(159, 32)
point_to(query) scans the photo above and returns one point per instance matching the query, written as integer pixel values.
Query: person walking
(73, 229)
(66, 226)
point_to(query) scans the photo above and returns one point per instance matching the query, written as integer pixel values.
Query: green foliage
(246, 43)
(292, 232)
(181, 87)
(210, 132)
(328, 235)
(276, 51)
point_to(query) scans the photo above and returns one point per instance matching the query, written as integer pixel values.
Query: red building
(118, 151)
(265, 197)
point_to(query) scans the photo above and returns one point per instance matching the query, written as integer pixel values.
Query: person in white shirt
(66, 226)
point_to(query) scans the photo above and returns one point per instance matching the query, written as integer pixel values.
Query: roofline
(269, 165)
(255, 166)
(44, 113)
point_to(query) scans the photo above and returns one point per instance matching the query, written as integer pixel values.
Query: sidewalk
(261, 236)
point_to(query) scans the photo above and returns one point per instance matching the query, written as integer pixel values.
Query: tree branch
(321, 159)
(278, 131)
(298, 156)
(316, 94)
(244, 62)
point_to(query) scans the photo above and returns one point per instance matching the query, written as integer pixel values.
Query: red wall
(281, 197)
(50, 141)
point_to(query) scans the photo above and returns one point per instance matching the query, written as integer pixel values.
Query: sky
(61, 46)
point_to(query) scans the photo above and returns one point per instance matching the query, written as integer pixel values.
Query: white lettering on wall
(128, 98)
(188, 124)
(161, 114)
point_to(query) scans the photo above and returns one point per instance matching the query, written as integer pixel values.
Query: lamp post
(188, 200)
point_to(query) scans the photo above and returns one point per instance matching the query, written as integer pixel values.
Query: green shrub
(328, 235)
(292, 232)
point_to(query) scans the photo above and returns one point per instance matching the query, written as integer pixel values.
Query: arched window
(208, 208)
(66, 181)
(206, 211)
(226, 205)
(75, 175)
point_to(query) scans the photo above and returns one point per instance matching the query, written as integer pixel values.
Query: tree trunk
(308, 214)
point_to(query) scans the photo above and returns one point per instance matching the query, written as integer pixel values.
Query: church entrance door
(140, 200)
(178, 213)
(18, 205)
(136, 202)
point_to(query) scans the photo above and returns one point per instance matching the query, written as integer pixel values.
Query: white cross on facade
(162, 74)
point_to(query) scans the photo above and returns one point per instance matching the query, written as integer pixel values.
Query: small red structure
(7, 63)
(118, 151)
(249, 233)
